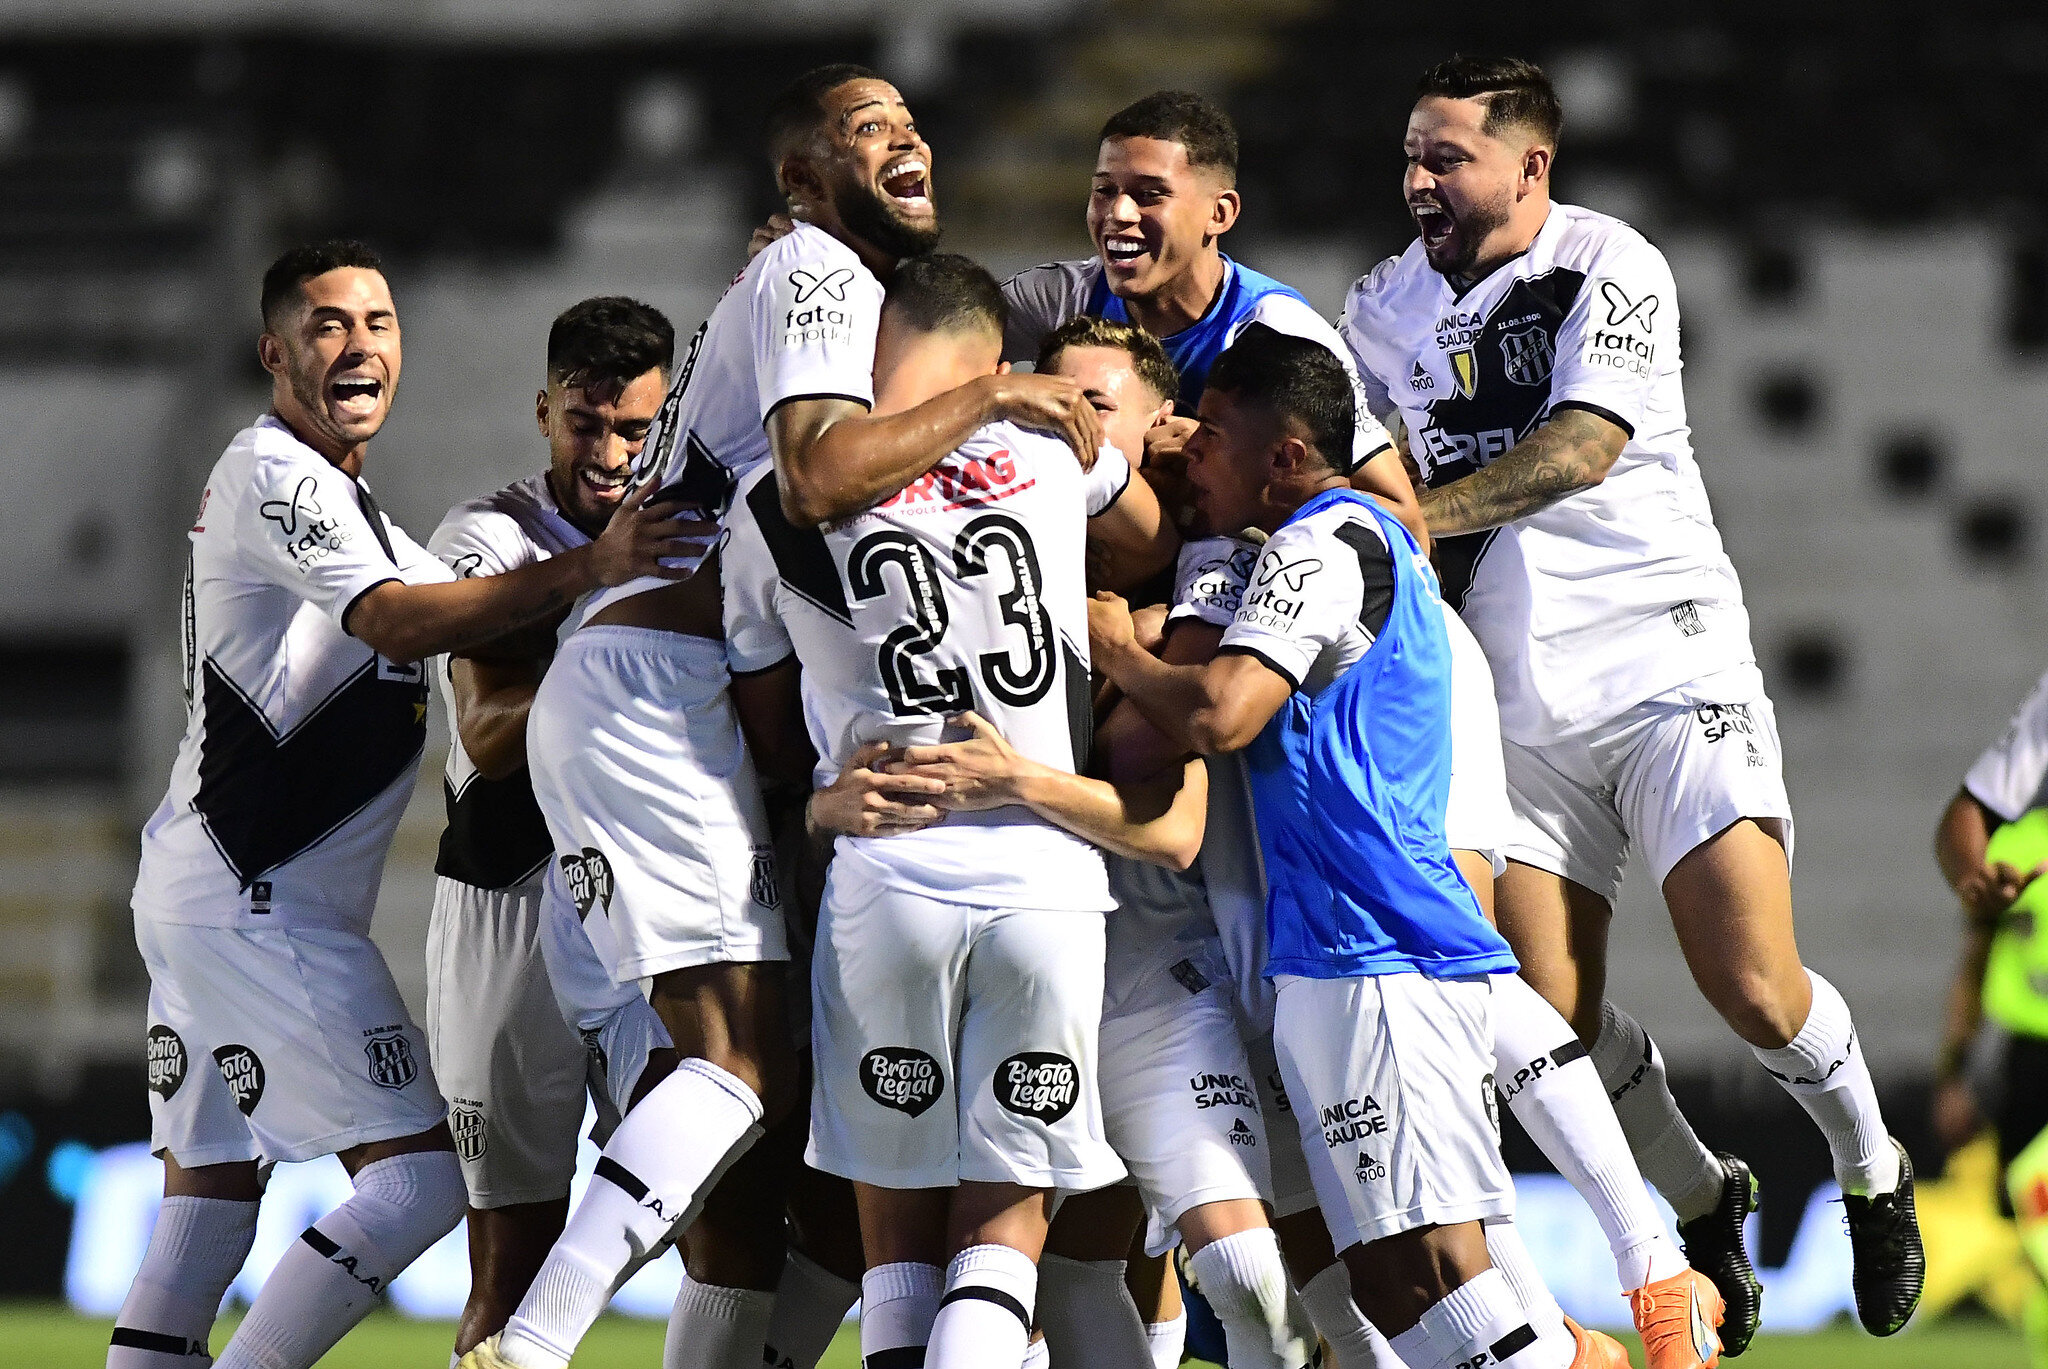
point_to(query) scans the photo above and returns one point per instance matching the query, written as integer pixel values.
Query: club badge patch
(392, 1064)
(901, 1078)
(243, 1074)
(164, 1059)
(1037, 1084)
(761, 884)
(590, 880)
(466, 1124)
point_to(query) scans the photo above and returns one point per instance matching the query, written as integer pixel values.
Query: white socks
(1356, 1341)
(1246, 1284)
(898, 1303)
(984, 1319)
(1481, 1323)
(655, 1171)
(1089, 1319)
(1504, 1247)
(336, 1271)
(716, 1328)
(1823, 1068)
(1037, 1355)
(1543, 1072)
(195, 1251)
(1168, 1341)
(1668, 1152)
(811, 1303)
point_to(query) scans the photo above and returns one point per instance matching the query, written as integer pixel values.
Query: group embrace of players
(929, 925)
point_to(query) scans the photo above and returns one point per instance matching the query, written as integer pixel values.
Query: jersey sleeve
(1608, 347)
(1305, 591)
(814, 320)
(1040, 300)
(1209, 580)
(1107, 482)
(301, 527)
(418, 565)
(755, 638)
(2007, 778)
(1375, 390)
(1286, 314)
(473, 542)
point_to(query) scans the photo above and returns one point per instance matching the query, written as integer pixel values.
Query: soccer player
(957, 979)
(638, 764)
(1334, 679)
(1532, 350)
(1163, 196)
(512, 1069)
(276, 1032)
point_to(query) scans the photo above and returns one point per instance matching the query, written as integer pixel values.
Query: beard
(871, 219)
(1472, 228)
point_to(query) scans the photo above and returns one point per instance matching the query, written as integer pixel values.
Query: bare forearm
(1965, 1009)
(1178, 700)
(1098, 812)
(1572, 452)
(857, 461)
(409, 622)
(1959, 843)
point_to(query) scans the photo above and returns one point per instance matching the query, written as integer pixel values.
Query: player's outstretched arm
(1573, 451)
(1132, 540)
(1217, 707)
(1159, 819)
(492, 698)
(833, 458)
(404, 622)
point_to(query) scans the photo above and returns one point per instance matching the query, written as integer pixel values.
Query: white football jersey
(798, 323)
(2011, 777)
(496, 837)
(963, 591)
(301, 743)
(1621, 591)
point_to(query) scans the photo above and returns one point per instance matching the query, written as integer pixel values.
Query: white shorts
(1180, 1109)
(954, 1043)
(1392, 1079)
(1667, 774)
(277, 1044)
(652, 801)
(1294, 1189)
(510, 1067)
(1478, 817)
(618, 1028)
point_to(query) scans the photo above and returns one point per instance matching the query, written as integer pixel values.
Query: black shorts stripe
(620, 1177)
(154, 1341)
(318, 1239)
(899, 1357)
(994, 1295)
(1514, 1342)
(1571, 1050)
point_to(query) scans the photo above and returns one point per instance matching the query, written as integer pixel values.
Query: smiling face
(1125, 404)
(1477, 198)
(594, 432)
(333, 357)
(1151, 215)
(873, 168)
(1230, 459)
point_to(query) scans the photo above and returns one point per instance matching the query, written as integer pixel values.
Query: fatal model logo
(901, 1078)
(1037, 1084)
(832, 284)
(243, 1074)
(1620, 308)
(309, 534)
(164, 1061)
(392, 1063)
(589, 876)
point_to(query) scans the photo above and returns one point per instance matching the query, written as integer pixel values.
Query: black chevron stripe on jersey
(704, 483)
(1511, 365)
(802, 559)
(264, 797)
(1080, 705)
(1457, 562)
(496, 836)
(1376, 570)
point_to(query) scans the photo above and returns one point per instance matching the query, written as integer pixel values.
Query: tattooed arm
(1573, 451)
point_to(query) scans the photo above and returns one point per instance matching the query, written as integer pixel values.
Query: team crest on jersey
(901, 1078)
(1465, 370)
(164, 1060)
(242, 1072)
(392, 1064)
(590, 880)
(1527, 355)
(1037, 1084)
(761, 883)
(466, 1125)
(1491, 1098)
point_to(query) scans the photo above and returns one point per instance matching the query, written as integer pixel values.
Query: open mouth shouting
(906, 184)
(355, 396)
(1434, 224)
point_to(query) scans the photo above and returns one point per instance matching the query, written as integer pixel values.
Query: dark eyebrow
(847, 118)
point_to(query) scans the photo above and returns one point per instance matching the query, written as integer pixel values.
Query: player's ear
(1291, 456)
(798, 179)
(270, 352)
(540, 410)
(1536, 165)
(1223, 211)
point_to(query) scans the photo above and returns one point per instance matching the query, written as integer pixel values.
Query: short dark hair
(300, 264)
(609, 338)
(1148, 359)
(796, 112)
(946, 292)
(1517, 92)
(1194, 121)
(1300, 381)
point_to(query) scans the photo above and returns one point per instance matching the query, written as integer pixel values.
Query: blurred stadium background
(1857, 213)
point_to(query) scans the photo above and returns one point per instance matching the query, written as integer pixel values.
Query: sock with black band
(1823, 1068)
(984, 1316)
(897, 1305)
(195, 1251)
(1481, 1322)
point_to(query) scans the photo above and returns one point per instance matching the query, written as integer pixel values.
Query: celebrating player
(958, 972)
(1532, 350)
(650, 796)
(512, 1069)
(276, 1032)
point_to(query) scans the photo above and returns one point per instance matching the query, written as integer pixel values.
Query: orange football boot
(1677, 1318)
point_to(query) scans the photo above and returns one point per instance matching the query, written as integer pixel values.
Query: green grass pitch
(48, 1337)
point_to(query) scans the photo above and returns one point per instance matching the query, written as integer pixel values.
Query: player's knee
(1761, 1011)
